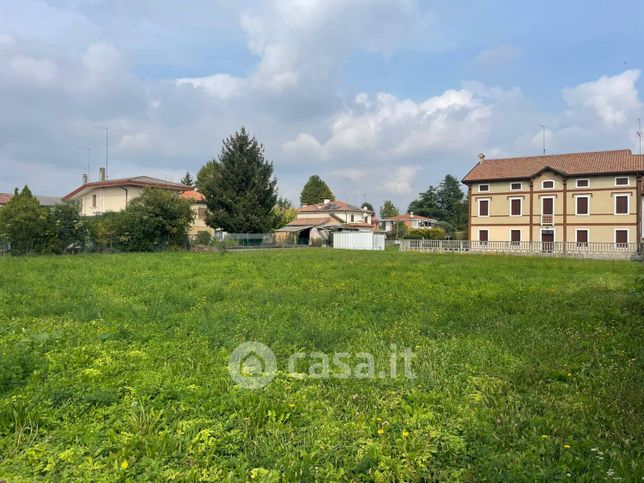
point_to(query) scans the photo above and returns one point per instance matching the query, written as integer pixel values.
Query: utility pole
(106, 129)
(89, 150)
(544, 138)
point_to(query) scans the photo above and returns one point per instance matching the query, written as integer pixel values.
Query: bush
(447, 227)
(68, 232)
(435, 233)
(202, 238)
(25, 225)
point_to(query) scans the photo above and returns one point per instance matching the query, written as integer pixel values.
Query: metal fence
(236, 241)
(556, 249)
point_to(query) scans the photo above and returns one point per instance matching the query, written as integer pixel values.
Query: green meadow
(115, 367)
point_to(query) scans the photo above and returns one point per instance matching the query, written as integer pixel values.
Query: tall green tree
(447, 202)
(239, 187)
(24, 224)
(188, 180)
(427, 204)
(388, 209)
(453, 202)
(315, 191)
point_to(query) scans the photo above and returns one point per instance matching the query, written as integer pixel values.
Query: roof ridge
(576, 153)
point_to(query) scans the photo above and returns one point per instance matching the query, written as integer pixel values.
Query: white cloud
(400, 182)
(305, 43)
(219, 86)
(611, 98)
(305, 146)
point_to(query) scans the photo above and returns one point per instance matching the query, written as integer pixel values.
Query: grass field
(115, 367)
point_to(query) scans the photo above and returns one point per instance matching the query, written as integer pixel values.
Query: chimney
(101, 174)
(85, 179)
(481, 157)
(327, 200)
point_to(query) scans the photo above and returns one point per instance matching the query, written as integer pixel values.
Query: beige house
(113, 195)
(410, 220)
(200, 210)
(575, 198)
(314, 221)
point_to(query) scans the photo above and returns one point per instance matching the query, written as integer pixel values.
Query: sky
(381, 98)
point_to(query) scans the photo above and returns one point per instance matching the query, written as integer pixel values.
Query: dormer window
(547, 184)
(484, 187)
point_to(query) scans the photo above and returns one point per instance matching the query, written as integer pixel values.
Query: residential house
(200, 210)
(578, 198)
(104, 195)
(313, 222)
(410, 220)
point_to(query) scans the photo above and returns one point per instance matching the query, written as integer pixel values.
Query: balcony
(547, 220)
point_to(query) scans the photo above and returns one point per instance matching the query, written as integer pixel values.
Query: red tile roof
(407, 217)
(310, 221)
(193, 195)
(4, 198)
(572, 164)
(335, 205)
(141, 181)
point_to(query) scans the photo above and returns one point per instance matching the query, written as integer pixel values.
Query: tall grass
(115, 367)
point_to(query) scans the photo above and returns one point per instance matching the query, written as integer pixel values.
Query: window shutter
(621, 204)
(516, 207)
(484, 208)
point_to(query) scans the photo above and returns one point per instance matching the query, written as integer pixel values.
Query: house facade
(113, 195)
(577, 198)
(200, 210)
(102, 196)
(313, 222)
(410, 220)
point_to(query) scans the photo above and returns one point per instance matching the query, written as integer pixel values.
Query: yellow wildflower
(381, 431)
(124, 465)
(566, 446)
(405, 434)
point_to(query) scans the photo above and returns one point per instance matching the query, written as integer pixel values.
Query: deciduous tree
(389, 210)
